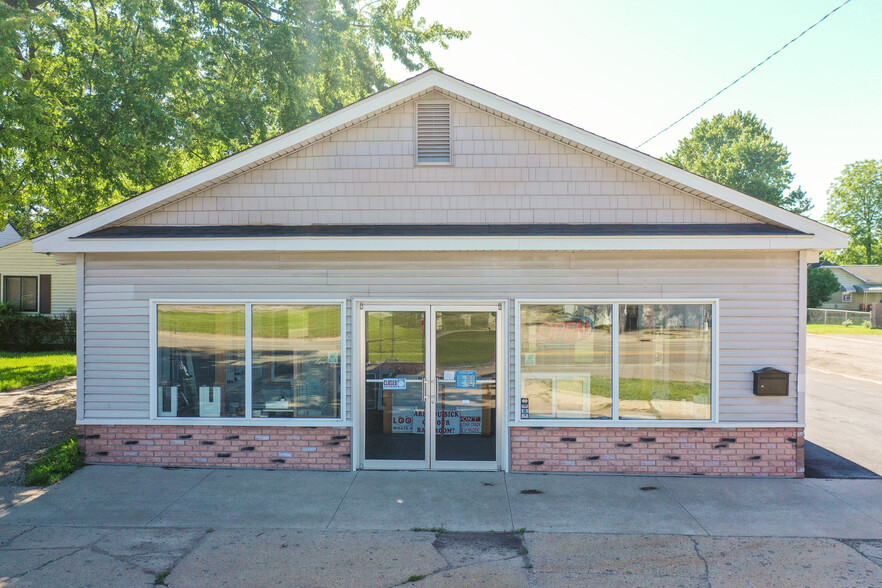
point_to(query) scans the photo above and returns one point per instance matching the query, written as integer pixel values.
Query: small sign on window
(394, 384)
(467, 379)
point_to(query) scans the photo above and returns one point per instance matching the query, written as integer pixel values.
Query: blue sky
(627, 69)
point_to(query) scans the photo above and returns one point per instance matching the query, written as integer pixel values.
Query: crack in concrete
(14, 537)
(701, 558)
(127, 560)
(855, 543)
(51, 561)
(521, 553)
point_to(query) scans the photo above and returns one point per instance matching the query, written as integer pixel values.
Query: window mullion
(615, 362)
(248, 361)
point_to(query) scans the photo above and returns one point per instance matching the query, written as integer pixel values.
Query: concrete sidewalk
(134, 496)
(133, 526)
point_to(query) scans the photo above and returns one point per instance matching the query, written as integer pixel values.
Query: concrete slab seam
(680, 504)
(345, 494)
(844, 500)
(176, 500)
(508, 498)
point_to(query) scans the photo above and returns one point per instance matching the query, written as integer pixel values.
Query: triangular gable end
(616, 159)
(503, 173)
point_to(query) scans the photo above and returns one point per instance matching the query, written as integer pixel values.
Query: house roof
(869, 274)
(74, 237)
(9, 235)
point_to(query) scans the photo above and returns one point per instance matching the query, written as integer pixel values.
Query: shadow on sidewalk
(823, 463)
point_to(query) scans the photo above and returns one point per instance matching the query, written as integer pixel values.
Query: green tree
(821, 285)
(739, 151)
(103, 99)
(855, 206)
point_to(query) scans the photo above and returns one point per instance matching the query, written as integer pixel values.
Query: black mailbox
(771, 382)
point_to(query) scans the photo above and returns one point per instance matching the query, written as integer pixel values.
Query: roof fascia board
(348, 244)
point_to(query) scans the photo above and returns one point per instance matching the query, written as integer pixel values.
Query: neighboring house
(9, 235)
(544, 298)
(35, 282)
(861, 286)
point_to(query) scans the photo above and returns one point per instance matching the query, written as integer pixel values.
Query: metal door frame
(430, 307)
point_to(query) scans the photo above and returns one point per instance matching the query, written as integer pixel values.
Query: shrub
(35, 332)
(847, 323)
(867, 325)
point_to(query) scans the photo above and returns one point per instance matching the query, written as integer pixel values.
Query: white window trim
(416, 155)
(248, 419)
(615, 422)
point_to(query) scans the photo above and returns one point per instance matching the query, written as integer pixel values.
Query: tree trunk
(876, 317)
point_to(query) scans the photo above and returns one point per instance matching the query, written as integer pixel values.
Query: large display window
(248, 361)
(616, 362)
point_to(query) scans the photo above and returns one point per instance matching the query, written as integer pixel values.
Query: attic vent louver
(433, 133)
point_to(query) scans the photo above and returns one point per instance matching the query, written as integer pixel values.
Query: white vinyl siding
(504, 173)
(757, 312)
(19, 259)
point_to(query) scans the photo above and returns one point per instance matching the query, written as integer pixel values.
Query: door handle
(425, 391)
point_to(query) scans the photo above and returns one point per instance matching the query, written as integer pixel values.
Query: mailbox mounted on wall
(771, 382)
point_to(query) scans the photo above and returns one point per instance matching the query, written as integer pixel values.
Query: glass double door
(430, 384)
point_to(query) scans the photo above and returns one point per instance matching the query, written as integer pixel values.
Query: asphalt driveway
(844, 407)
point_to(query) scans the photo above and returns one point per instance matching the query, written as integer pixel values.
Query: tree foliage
(739, 151)
(855, 206)
(821, 284)
(103, 99)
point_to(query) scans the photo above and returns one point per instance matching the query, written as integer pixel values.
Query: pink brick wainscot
(659, 451)
(304, 448)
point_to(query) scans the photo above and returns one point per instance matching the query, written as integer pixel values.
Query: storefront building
(438, 278)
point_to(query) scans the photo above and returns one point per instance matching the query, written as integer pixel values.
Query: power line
(744, 75)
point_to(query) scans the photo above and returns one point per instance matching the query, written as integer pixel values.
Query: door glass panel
(395, 369)
(465, 352)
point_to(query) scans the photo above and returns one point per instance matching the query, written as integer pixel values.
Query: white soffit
(433, 80)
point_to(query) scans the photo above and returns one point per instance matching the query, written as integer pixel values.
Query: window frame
(248, 419)
(615, 421)
(37, 291)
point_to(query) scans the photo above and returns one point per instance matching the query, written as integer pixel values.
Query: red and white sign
(402, 419)
(462, 421)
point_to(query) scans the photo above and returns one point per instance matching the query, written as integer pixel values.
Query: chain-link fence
(825, 316)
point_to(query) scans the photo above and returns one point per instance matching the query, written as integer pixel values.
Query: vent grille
(433, 133)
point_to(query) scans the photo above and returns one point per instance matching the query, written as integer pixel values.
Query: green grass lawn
(840, 330)
(58, 463)
(25, 369)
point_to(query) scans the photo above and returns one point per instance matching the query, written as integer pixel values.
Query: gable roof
(869, 274)
(9, 235)
(814, 235)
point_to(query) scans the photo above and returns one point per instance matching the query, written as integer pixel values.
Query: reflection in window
(296, 361)
(20, 293)
(201, 360)
(665, 361)
(566, 361)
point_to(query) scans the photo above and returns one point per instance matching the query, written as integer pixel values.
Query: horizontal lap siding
(758, 318)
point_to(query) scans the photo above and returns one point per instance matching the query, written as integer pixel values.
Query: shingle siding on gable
(502, 173)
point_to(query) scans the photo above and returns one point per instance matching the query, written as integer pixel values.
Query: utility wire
(744, 75)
